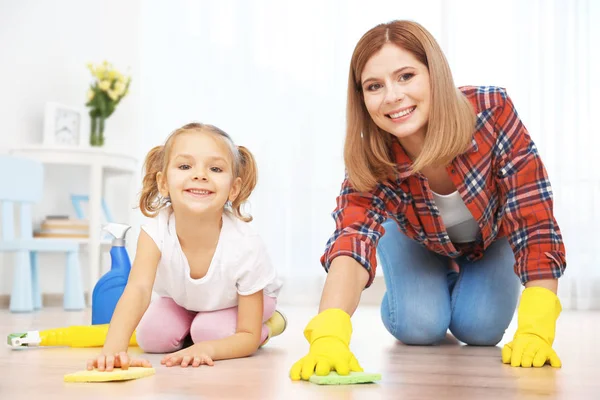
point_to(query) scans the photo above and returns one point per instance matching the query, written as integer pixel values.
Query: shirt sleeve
(256, 270)
(156, 227)
(358, 217)
(528, 221)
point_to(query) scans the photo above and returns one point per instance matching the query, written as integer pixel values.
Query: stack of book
(59, 226)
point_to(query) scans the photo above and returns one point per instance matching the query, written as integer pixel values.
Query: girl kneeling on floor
(212, 274)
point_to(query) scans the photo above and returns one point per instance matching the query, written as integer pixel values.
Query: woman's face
(396, 91)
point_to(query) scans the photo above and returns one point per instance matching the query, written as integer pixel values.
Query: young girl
(437, 176)
(211, 271)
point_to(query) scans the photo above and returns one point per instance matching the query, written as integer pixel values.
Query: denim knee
(414, 326)
(485, 332)
(485, 297)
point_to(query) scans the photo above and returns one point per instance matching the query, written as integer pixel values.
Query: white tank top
(460, 224)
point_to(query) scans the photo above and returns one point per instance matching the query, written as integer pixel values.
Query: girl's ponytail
(248, 173)
(150, 200)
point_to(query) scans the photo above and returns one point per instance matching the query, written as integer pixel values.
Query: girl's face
(199, 177)
(396, 91)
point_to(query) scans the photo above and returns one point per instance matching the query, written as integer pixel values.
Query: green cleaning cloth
(354, 377)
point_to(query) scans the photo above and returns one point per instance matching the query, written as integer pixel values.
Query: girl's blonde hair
(157, 160)
(367, 149)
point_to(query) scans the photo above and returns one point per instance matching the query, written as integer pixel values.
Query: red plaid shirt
(501, 180)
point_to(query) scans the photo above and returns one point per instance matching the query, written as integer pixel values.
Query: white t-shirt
(240, 265)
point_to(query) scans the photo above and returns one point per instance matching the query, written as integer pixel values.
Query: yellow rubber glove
(532, 344)
(329, 336)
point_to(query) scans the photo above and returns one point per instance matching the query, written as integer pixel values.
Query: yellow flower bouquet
(108, 88)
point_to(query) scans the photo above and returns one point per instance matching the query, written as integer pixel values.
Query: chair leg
(35, 281)
(74, 298)
(21, 299)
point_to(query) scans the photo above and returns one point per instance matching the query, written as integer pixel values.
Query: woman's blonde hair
(367, 149)
(157, 160)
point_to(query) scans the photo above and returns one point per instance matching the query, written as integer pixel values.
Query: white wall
(273, 74)
(44, 47)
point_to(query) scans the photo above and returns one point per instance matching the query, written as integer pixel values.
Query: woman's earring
(228, 204)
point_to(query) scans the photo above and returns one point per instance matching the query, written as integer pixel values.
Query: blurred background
(273, 75)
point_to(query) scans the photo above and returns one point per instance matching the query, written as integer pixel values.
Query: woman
(447, 187)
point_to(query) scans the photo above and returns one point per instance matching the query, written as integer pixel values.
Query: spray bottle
(110, 287)
(72, 336)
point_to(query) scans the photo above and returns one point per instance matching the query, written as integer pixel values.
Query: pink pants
(165, 325)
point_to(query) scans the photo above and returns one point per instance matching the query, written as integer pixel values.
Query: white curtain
(273, 74)
(546, 54)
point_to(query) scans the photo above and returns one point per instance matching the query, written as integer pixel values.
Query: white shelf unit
(100, 162)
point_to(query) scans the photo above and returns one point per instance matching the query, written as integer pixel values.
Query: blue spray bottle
(109, 288)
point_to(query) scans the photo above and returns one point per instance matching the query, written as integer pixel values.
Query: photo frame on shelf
(65, 126)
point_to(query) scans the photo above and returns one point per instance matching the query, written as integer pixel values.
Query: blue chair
(21, 184)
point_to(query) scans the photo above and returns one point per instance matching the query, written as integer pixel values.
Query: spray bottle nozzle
(118, 231)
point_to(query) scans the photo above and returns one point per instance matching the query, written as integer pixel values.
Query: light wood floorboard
(447, 371)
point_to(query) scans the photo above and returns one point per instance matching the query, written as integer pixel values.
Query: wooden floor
(448, 371)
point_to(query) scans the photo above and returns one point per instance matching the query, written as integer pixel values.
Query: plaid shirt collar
(403, 162)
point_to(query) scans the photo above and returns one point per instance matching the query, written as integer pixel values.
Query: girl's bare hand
(194, 355)
(121, 360)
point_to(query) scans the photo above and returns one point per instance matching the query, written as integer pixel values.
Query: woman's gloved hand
(532, 344)
(329, 337)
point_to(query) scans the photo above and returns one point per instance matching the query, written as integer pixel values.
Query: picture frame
(65, 126)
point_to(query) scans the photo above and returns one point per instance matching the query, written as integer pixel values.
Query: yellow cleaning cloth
(115, 375)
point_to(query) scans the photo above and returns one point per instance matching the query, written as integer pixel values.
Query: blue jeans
(425, 298)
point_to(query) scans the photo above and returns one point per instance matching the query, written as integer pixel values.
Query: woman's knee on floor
(478, 332)
(416, 327)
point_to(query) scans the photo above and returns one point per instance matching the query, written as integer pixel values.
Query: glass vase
(97, 131)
